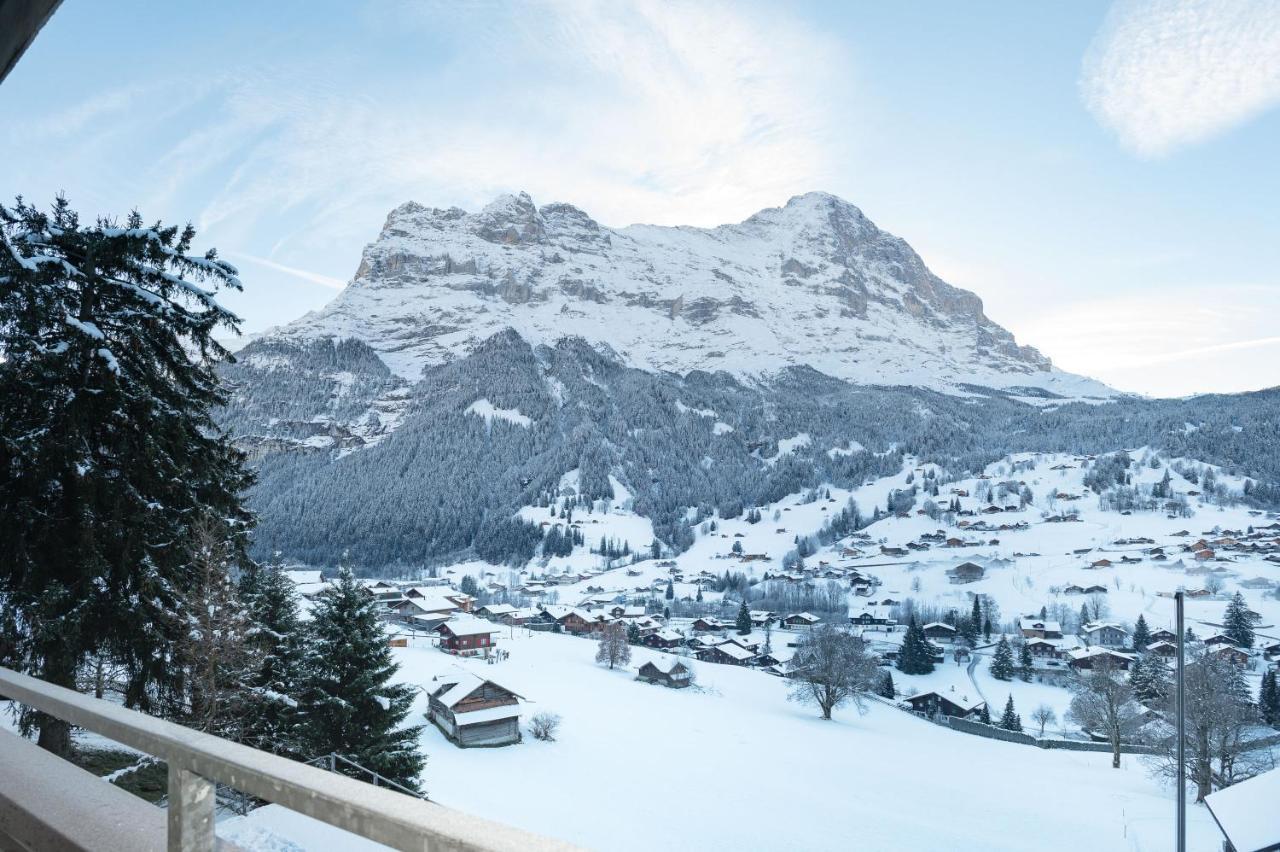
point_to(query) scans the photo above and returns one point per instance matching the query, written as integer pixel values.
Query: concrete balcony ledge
(48, 803)
(36, 795)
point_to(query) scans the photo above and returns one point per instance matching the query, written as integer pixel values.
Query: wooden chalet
(663, 638)
(466, 636)
(1087, 658)
(675, 675)
(939, 631)
(472, 711)
(966, 572)
(726, 653)
(933, 704)
(800, 621)
(1037, 628)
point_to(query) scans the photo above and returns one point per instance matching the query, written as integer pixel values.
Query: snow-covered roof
(499, 609)
(459, 685)
(488, 714)
(1029, 623)
(433, 600)
(806, 616)
(1094, 627)
(731, 649)
(941, 624)
(1085, 653)
(300, 577)
(467, 625)
(668, 634)
(1246, 812)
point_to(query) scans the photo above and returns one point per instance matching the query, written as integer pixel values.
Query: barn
(472, 711)
(673, 674)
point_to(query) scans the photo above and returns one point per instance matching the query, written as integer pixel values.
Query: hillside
(476, 359)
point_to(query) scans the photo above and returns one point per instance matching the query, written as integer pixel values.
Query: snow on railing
(198, 761)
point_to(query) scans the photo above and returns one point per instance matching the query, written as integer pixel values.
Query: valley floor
(732, 764)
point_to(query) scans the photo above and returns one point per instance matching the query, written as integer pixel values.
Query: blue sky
(1104, 175)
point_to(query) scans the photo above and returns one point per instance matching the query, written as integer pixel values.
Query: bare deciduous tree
(830, 667)
(1220, 715)
(614, 648)
(544, 726)
(1043, 715)
(212, 650)
(1102, 703)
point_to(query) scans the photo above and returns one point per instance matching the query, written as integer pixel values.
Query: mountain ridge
(812, 283)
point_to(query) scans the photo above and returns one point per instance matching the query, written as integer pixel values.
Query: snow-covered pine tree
(1236, 624)
(1024, 662)
(350, 704)
(984, 715)
(1010, 721)
(886, 689)
(1269, 700)
(1002, 661)
(1141, 635)
(276, 633)
(743, 622)
(1150, 678)
(915, 655)
(107, 448)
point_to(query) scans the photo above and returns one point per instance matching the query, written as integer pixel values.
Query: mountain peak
(812, 283)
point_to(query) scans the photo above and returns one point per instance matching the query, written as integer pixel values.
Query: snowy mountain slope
(812, 283)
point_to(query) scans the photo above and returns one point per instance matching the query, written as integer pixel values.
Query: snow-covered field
(733, 765)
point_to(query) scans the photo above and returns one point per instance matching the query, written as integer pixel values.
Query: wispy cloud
(1200, 342)
(1163, 74)
(292, 271)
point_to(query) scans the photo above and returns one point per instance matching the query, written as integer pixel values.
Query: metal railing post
(1180, 831)
(191, 801)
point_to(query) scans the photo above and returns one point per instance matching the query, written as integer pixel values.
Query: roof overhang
(20, 21)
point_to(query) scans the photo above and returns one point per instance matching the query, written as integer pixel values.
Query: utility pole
(1181, 747)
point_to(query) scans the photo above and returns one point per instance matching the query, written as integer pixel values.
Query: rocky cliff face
(814, 283)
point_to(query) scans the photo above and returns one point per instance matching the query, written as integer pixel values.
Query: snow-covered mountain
(813, 283)
(476, 360)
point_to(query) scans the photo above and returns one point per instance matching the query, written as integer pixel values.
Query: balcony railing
(197, 761)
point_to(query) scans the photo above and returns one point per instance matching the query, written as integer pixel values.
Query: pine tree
(350, 704)
(1025, 666)
(1002, 661)
(1141, 635)
(743, 622)
(886, 688)
(915, 656)
(1269, 700)
(633, 633)
(671, 590)
(1236, 624)
(1010, 721)
(984, 715)
(108, 380)
(1084, 614)
(1150, 678)
(974, 624)
(276, 634)
(986, 628)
